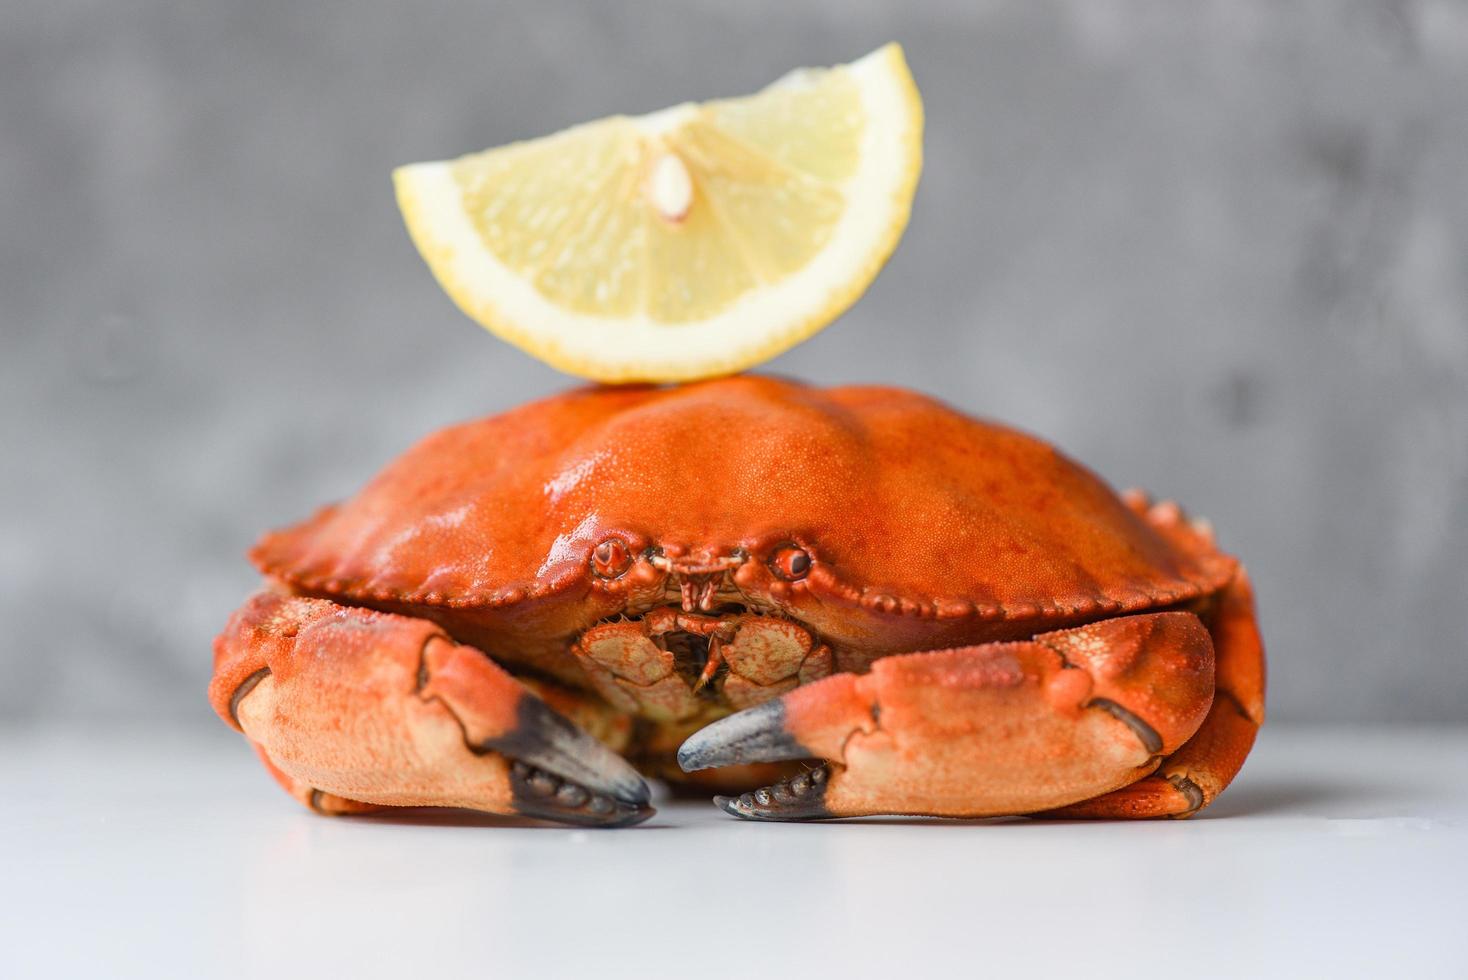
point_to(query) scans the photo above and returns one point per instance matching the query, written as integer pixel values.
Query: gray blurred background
(1216, 249)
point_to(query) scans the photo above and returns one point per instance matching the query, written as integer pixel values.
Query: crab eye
(611, 558)
(790, 562)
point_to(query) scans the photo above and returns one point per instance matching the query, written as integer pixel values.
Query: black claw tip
(1191, 791)
(617, 815)
(799, 798)
(753, 735)
(541, 795)
(246, 686)
(545, 741)
(1146, 734)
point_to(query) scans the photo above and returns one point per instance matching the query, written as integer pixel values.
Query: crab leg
(352, 709)
(1190, 778)
(1002, 728)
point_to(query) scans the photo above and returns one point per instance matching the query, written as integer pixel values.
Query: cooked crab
(913, 611)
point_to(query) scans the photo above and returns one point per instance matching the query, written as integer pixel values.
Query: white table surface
(155, 854)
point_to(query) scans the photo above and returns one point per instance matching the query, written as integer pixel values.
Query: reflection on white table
(153, 854)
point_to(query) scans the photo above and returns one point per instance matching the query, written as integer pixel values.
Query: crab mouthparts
(698, 581)
(696, 658)
(668, 662)
(697, 592)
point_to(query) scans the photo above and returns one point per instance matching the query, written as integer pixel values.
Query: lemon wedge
(691, 242)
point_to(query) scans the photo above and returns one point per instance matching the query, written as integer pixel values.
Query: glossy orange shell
(912, 512)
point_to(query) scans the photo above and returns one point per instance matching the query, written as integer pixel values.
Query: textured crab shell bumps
(909, 510)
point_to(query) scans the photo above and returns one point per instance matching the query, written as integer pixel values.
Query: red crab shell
(924, 527)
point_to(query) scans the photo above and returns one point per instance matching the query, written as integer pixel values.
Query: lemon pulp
(691, 242)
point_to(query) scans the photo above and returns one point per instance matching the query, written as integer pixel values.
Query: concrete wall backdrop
(1216, 249)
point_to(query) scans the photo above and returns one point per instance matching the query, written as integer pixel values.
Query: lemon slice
(690, 242)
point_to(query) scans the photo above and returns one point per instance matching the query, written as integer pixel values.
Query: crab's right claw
(1003, 728)
(353, 710)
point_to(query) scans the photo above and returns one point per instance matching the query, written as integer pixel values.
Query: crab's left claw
(1003, 728)
(353, 710)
